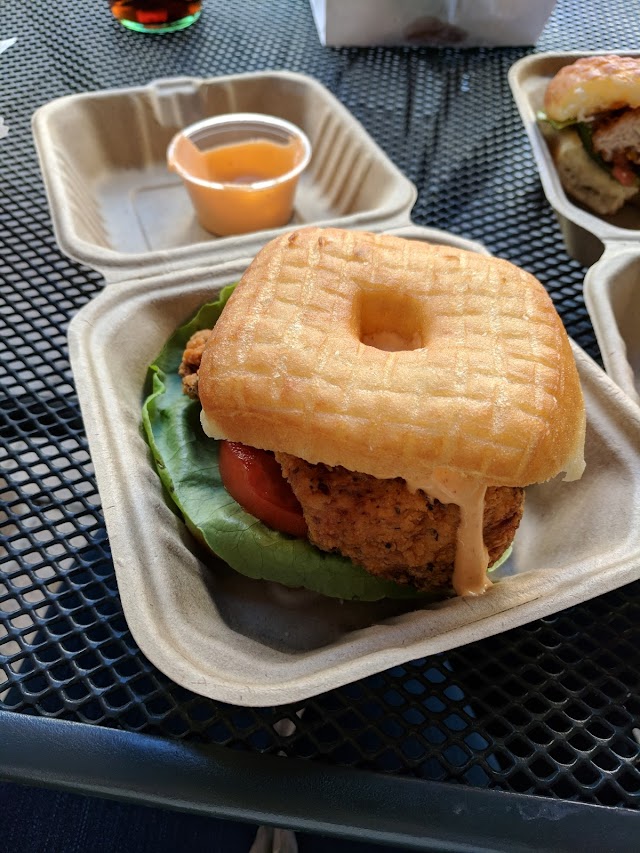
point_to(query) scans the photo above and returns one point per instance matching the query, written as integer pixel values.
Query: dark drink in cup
(156, 16)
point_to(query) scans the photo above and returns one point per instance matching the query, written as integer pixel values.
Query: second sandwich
(592, 121)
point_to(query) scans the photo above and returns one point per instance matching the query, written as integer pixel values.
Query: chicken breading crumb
(395, 534)
(190, 364)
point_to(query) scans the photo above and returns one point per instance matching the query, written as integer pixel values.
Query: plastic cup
(241, 170)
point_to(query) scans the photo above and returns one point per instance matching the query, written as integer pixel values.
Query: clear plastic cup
(241, 170)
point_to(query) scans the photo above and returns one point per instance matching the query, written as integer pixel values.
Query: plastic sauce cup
(241, 170)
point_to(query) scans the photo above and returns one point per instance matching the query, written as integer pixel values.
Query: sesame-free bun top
(591, 85)
(476, 376)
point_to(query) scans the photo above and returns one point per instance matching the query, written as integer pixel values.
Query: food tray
(609, 245)
(255, 644)
(612, 295)
(116, 207)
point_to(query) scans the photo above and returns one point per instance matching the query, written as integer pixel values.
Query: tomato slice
(624, 176)
(623, 171)
(254, 479)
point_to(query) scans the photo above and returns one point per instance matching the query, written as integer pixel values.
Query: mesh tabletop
(549, 708)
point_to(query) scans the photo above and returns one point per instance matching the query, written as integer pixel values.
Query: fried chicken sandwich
(387, 401)
(592, 115)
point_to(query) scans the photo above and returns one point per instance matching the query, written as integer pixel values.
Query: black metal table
(442, 753)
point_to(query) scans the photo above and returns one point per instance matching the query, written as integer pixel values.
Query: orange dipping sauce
(243, 185)
(250, 162)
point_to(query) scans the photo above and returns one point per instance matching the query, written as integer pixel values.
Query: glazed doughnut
(395, 358)
(591, 85)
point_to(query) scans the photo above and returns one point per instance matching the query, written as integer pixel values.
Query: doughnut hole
(390, 321)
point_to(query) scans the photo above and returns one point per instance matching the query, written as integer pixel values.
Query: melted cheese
(472, 557)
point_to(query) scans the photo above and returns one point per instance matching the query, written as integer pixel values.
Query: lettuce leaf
(187, 463)
(556, 125)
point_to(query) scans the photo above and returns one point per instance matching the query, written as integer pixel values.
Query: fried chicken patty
(190, 364)
(393, 533)
(618, 135)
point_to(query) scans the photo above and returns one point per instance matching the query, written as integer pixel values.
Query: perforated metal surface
(549, 708)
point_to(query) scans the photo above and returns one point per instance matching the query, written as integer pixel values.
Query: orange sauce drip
(472, 557)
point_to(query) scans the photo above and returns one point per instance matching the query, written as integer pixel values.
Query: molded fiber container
(251, 642)
(612, 296)
(609, 245)
(116, 207)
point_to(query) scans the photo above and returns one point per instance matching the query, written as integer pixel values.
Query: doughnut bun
(394, 358)
(591, 85)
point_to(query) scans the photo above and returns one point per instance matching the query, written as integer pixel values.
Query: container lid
(116, 207)
(612, 296)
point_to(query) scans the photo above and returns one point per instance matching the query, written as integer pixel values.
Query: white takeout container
(436, 23)
(210, 629)
(609, 245)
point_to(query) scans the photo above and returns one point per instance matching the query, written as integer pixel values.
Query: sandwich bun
(482, 383)
(591, 85)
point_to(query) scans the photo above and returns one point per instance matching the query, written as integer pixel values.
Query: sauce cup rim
(240, 119)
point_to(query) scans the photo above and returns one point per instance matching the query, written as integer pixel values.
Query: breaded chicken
(393, 533)
(191, 358)
(618, 135)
